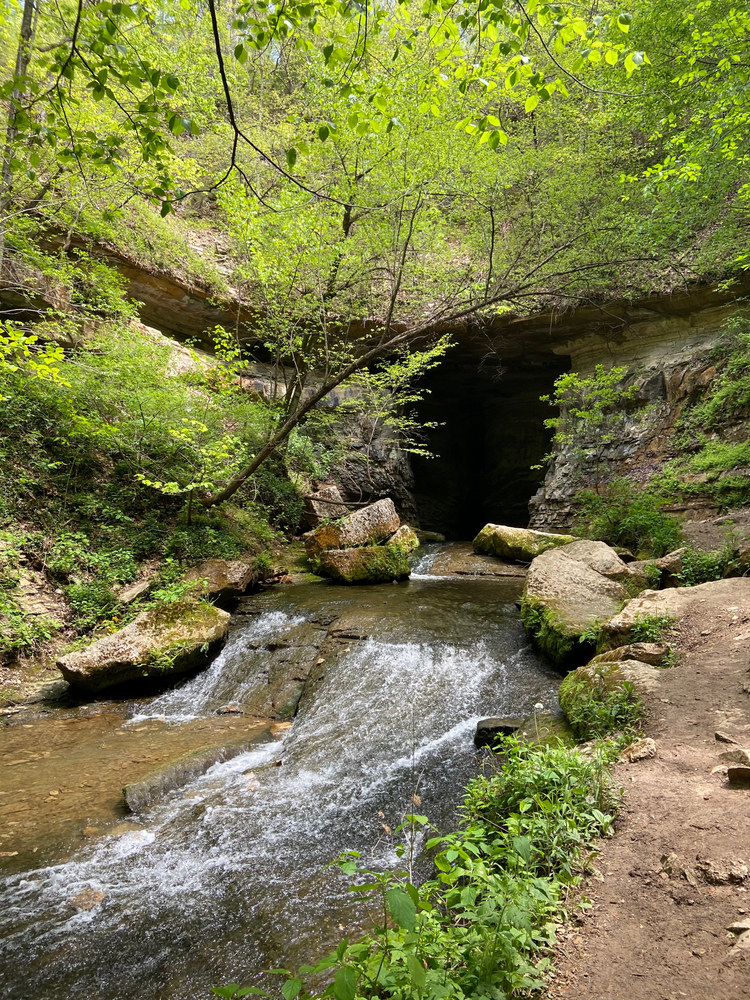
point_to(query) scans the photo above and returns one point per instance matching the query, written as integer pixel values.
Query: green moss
(551, 636)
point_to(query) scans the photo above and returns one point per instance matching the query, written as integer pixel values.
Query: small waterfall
(229, 875)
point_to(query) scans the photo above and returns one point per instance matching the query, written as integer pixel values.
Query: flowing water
(228, 875)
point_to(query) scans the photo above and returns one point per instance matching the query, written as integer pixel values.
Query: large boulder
(516, 543)
(172, 639)
(650, 614)
(326, 504)
(600, 557)
(562, 600)
(222, 577)
(363, 527)
(370, 563)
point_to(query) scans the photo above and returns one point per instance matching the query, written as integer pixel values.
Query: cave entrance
(491, 432)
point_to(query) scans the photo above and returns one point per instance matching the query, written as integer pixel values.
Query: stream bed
(228, 875)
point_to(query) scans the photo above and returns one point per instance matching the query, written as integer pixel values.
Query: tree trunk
(23, 58)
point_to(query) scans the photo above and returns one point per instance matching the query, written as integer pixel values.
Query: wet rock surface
(173, 639)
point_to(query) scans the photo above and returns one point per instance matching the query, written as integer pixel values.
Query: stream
(229, 875)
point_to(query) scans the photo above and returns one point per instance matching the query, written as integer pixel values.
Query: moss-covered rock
(605, 695)
(516, 543)
(367, 564)
(563, 600)
(543, 728)
(370, 524)
(172, 639)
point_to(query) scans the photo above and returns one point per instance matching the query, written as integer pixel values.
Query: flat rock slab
(516, 543)
(370, 524)
(172, 639)
(153, 787)
(676, 603)
(460, 559)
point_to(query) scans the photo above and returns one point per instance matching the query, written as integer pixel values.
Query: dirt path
(657, 936)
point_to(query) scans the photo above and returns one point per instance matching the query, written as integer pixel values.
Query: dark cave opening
(491, 432)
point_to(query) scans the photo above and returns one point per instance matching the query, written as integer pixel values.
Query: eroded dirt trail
(651, 935)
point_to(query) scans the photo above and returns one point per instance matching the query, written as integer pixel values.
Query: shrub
(482, 926)
(597, 712)
(700, 567)
(91, 603)
(623, 514)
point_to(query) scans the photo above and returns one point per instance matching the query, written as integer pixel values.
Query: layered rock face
(668, 345)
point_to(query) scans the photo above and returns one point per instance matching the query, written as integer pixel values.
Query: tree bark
(23, 58)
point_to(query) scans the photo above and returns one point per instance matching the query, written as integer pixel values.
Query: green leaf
(291, 156)
(522, 847)
(416, 971)
(402, 908)
(323, 133)
(345, 983)
(291, 988)
(531, 102)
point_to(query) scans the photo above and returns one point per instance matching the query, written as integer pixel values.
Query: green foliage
(485, 924)
(651, 628)
(91, 604)
(622, 513)
(593, 411)
(701, 567)
(597, 710)
(20, 632)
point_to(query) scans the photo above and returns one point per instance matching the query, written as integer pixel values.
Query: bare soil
(653, 934)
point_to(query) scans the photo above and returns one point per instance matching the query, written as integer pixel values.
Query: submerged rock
(222, 577)
(563, 599)
(172, 639)
(157, 783)
(516, 543)
(489, 729)
(370, 524)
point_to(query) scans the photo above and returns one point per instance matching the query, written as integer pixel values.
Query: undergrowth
(623, 514)
(484, 925)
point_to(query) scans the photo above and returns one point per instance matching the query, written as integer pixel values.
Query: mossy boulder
(563, 600)
(222, 578)
(173, 639)
(605, 694)
(516, 543)
(544, 728)
(370, 524)
(370, 563)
